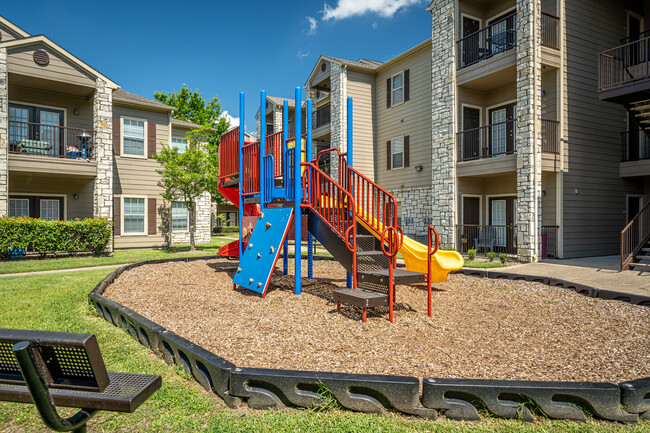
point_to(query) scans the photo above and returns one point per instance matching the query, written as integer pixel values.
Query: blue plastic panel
(258, 261)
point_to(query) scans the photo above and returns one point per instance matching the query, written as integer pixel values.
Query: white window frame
(180, 139)
(54, 200)
(36, 194)
(122, 135)
(123, 214)
(393, 89)
(392, 142)
(187, 218)
(21, 198)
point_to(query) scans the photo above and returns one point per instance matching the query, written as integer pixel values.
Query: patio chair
(486, 238)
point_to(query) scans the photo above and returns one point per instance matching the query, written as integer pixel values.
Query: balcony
(550, 31)
(484, 238)
(497, 139)
(498, 37)
(635, 154)
(322, 120)
(624, 72)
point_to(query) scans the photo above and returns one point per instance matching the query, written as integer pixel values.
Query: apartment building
(73, 144)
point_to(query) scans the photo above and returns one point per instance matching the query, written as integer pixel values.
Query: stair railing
(634, 236)
(394, 243)
(342, 163)
(334, 205)
(430, 253)
(274, 146)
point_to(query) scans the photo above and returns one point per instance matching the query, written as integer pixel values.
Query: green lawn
(58, 302)
(483, 264)
(130, 256)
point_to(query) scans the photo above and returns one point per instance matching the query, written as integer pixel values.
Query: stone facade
(443, 90)
(415, 210)
(528, 136)
(4, 135)
(103, 122)
(202, 231)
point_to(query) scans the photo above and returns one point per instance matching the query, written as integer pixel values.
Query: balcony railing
(549, 240)
(38, 139)
(550, 136)
(550, 30)
(496, 38)
(322, 116)
(635, 146)
(485, 238)
(623, 65)
(487, 141)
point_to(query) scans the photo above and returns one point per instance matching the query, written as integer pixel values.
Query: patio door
(502, 131)
(502, 215)
(501, 33)
(471, 40)
(471, 133)
(36, 130)
(471, 220)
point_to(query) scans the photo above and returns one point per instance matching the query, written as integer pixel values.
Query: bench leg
(363, 318)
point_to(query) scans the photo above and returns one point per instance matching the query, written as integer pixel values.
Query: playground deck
(481, 328)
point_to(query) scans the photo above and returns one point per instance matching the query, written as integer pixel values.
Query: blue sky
(223, 47)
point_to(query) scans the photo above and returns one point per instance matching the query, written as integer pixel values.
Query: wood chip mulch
(481, 328)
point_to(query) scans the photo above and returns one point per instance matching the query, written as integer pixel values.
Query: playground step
(401, 276)
(365, 242)
(639, 265)
(642, 257)
(361, 298)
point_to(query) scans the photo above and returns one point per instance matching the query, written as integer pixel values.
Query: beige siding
(484, 100)
(549, 199)
(20, 61)
(65, 186)
(487, 12)
(485, 187)
(412, 118)
(7, 34)
(138, 177)
(65, 102)
(361, 87)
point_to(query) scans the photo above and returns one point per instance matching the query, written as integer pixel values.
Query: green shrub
(52, 237)
(225, 229)
(491, 255)
(471, 253)
(503, 257)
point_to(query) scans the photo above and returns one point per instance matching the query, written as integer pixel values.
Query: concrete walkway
(599, 272)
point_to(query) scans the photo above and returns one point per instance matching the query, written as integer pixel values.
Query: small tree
(184, 177)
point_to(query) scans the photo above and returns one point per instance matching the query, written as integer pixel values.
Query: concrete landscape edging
(461, 399)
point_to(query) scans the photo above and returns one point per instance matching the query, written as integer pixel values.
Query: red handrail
(430, 252)
(229, 154)
(274, 146)
(251, 175)
(342, 163)
(377, 207)
(394, 243)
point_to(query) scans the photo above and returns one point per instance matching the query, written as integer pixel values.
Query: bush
(52, 237)
(491, 255)
(471, 253)
(503, 257)
(225, 229)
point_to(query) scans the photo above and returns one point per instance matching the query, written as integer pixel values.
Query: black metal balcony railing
(487, 141)
(496, 38)
(635, 146)
(549, 245)
(37, 139)
(322, 116)
(623, 65)
(643, 34)
(550, 136)
(486, 238)
(550, 30)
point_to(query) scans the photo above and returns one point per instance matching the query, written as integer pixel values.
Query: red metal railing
(274, 147)
(342, 160)
(634, 236)
(377, 208)
(251, 176)
(430, 253)
(334, 205)
(229, 154)
(394, 243)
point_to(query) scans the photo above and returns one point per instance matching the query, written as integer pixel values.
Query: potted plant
(463, 238)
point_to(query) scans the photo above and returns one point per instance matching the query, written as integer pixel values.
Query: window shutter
(117, 217)
(388, 155)
(388, 92)
(151, 139)
(117, 139)
(151, 213)
(407, 86)
(406, 151)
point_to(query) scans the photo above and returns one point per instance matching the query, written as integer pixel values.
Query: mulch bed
(481, 328)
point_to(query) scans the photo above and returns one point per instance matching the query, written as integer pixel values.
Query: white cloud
(234, 121)
(313, 25)
(302, 53)
(349, 8)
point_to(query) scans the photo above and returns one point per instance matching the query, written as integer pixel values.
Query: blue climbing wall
(256, 265)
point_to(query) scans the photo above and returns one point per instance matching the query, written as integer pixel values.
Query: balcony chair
(486, 238)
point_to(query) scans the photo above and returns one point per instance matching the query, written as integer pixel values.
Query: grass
(120, 257)
(58, 302)
(484, 264)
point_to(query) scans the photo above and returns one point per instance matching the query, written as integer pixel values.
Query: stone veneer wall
(415, 209)
(4, 135)
(338, 110)
(528, 137)
(443, 90)
(202, 232)
(103, 121)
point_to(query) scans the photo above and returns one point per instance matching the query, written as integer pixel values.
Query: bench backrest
(67, 360)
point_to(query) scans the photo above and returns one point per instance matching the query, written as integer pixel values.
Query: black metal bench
(52, 369)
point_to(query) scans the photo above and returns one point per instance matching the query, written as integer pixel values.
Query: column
(103, 122)
(4, 135)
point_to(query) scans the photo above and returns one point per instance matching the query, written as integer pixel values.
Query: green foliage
(491, 255)
(503, 257)
(225, 229)
(52, 237)
(471, 253)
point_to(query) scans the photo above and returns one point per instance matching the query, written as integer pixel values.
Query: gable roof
(13, 27)
(128, 98)
(184, 124)
(41, 39)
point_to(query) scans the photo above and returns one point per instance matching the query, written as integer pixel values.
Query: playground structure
(354, 218)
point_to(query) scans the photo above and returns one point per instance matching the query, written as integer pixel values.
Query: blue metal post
(298, 188)
(241, 172)
(285, 137)
(262, 145)
(349, 151)
(310, 241)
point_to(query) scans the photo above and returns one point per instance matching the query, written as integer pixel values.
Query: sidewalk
(59, 271)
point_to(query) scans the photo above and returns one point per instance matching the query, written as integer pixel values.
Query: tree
(192, 107)
(184, 177)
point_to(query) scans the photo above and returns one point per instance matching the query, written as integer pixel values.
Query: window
(19, 207)
(180, 143)
(133, 137)
(179, 216)
(397, 93)
(133, 215)
(397, 153)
